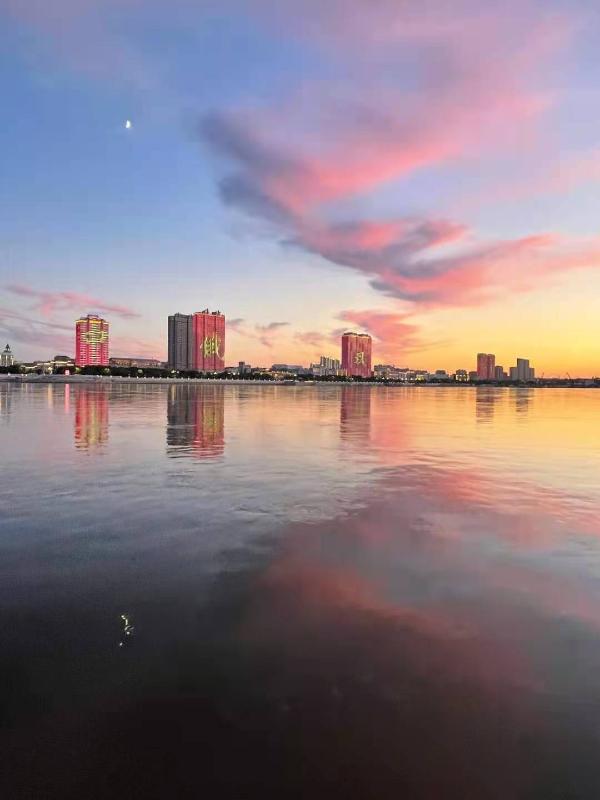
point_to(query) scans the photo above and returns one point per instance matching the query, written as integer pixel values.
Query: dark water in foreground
(299, 593)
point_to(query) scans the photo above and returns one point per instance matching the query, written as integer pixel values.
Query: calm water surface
(299, 592)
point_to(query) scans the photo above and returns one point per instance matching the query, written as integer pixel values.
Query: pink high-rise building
(486, 366)
(208, 335)
(356, 354)
(91, 341)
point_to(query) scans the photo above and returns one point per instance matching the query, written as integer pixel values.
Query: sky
(426, 172)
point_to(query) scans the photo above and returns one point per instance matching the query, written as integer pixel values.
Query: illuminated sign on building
(91, 341)
(356, 354)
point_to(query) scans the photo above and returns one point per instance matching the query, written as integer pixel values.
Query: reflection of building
(486, 363)
(5, 400)
(356, 354)
(91, 417)
(196, 420)
(91, 341)
(355, 413)
(485, 400)
(197, 341)
(523, 398)
(6, 357)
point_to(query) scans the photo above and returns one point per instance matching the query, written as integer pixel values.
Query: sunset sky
(428, 172)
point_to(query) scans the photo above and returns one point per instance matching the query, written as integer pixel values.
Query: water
(299, 592)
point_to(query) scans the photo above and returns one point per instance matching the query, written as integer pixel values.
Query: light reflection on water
(345, 592)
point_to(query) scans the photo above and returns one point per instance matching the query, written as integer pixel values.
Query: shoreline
(583, 383)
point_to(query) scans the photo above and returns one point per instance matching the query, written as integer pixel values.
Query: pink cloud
(478, 86)
(47, 303)
(398, 334)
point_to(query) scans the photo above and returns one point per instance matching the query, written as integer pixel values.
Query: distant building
(499, 373)
(356, 354)
(91, 341)
(181, 342)
(439, 375)
(522, 372)
(326, 366)
(6, 357)
(486, 363)
(461, 376)
(473, 375)
(292, 369)
(141, 363)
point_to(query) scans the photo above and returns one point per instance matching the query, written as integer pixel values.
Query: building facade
(91, 341)
(142, 363)
(356, 354)
(6, 357)
(181, 342)
(522, 372)
(197, 341)
(486, 366)
(208, 328)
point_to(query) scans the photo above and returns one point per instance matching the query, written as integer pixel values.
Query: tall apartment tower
(486, 366)
(197, 341)
(91, 341)
(208, 328)
(181, 342)
(523, 371)
(356, 354)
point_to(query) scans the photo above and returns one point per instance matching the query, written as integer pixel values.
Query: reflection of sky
(375, 578)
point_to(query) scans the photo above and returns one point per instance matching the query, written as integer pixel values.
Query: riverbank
(582, 383)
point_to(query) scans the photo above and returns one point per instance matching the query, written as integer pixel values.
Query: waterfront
(310, 591)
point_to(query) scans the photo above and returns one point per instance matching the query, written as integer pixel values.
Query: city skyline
(138, 188)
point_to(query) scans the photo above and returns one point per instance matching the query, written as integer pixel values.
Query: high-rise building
(522, 372)
(181, 342)
(208, 329)
(91, 341)
(486, 364)
(356, 354)
(197, 341)
(499, 374)
(6, 357)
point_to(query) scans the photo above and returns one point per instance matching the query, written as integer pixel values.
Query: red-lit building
(91, 341)
(356, 354)
(486, 366)
(208, 333)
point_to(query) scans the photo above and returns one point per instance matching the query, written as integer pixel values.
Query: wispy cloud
(47, 303)
(477, 85)
(17, 327)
